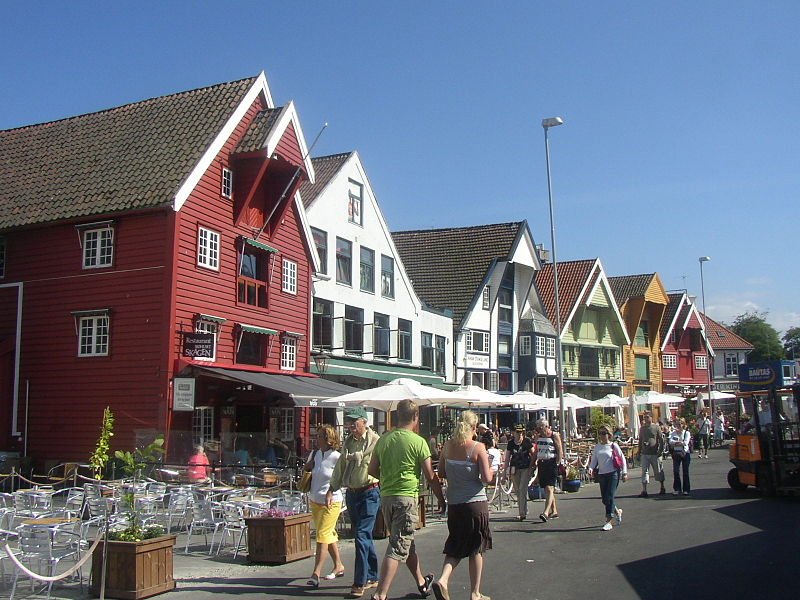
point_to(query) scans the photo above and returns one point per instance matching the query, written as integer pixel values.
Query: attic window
(97, 242)
(227, 183)
(355, 203)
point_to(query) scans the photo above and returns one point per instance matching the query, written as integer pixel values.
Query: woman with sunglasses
(608, 474)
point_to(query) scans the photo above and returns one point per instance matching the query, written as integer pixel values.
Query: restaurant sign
(198, 345)
(183, 388)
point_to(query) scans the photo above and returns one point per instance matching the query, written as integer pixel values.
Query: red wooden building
(684, 363)
(156, 240)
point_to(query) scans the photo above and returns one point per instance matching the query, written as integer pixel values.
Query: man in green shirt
(396, 462)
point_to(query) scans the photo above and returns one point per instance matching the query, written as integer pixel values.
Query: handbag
(616, 457)
(304, 485)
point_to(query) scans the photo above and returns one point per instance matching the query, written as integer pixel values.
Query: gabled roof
(722, 338)
(678, 314)
(448, 266)
(325, 167)
(130, 157)
(626, 287)
(255, 136)
(669, 320)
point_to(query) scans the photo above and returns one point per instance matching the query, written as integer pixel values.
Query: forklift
(766, 450)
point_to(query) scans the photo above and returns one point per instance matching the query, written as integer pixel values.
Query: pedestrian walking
(325, 509)
(651, 447)
(363, 497)
(396, 462)
(465, 465)
(680, 450)
(703, 434)
(518, 467)
(609, 464)
(548, 453)
(719, 427)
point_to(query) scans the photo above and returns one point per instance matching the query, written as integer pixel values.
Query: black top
(520, 452)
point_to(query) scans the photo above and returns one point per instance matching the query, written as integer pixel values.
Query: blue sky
(682, 119)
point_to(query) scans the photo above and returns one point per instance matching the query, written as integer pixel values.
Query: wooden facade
(683, 348)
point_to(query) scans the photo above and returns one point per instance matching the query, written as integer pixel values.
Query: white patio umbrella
(572, 422)
(700, 405)
(633, 416)
(610, 401)
(619, 415)
(529, 400)
(477, 397)
(387, 396)
(716, 395)
(653, 397)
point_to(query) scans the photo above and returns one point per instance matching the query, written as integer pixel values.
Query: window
(367, 270)
(731, 365)
(404, 341)
(227, 183)
(289, 353)
(478, 341)
(551, 347)
(98, 248)
(427, 349)
(286, 424)
(355, 203)
(205, 326)
(344, 261)
(93, 335)
(322, 324)
(700, 361)
(504, 381)
(486, 303)
(202, 424)
(525, 345)
(251, 349)
(642, 338)
(321, 242)
(505, 300)
(541, 345)
(252, 280)
(494, 381)
(589, 362)
(642, 367)
(353, 330)
(381, 333)
(670, 361)
(438, 355)
(2, 257)
(387, 276)
(208, 248)
(289, 276)
(505, 347)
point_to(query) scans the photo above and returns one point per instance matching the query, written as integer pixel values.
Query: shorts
(548, 472)
(400, 514)
(325, 521)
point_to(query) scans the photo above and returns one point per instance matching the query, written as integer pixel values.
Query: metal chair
(233, 516)
(32, 505)
(175, 512)
(45, 547)
(73, 502)
(203, 521)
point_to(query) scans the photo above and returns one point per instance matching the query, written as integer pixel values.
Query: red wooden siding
(8, 336)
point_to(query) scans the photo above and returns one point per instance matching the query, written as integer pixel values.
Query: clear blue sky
(682, 134)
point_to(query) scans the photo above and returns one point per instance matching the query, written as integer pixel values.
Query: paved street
(716, 543)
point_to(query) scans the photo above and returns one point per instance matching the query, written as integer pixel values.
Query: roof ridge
(127, 104)
(637, 275)
(440, 229)
(333, 156)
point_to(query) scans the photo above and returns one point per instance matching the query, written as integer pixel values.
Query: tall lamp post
(546, 125)
(701, 260)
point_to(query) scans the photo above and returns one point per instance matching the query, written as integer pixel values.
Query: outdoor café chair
(41, 549)
(235, 526)
(204, 520)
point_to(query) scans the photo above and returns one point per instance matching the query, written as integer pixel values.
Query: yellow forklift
(766, 450)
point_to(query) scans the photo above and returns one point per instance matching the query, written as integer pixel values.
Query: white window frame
(524, 345)
(700, 361)
(227, 183)
(731, 365)
(2, 257)
(541, 345)
(289, 276)
(208, 242)
(288, 353)
(551, 347)
(94, 334)
(98, 247)
(208, 326)
(486, 298)
(286, 424)
(469, 342)
(355, 204)
(669, 361)
(202, 424)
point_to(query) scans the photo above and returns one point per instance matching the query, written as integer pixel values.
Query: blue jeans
(363, 508)
(608, 491)
(681, 463)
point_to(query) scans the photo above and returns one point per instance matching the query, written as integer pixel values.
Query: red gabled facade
(683, 350)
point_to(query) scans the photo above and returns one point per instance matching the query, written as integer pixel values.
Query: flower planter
(135, 569)
(279, 540)
(572, 485)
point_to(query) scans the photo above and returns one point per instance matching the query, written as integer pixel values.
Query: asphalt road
(717, 543)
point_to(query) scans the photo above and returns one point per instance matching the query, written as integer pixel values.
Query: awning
(304, 391)
(340, 365)
(259, 330)
(259, 245)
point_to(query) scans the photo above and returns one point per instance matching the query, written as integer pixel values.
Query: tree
(791, 342)
(753, 327)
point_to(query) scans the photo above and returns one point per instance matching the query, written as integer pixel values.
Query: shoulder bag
(616, 456)
(304, 485)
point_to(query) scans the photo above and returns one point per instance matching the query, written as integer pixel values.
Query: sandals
(425, 587)
(333, 575)
(543, 518)
(440, 591)
(313, 581)
(552, 516)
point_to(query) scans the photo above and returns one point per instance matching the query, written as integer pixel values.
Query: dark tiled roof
(572, 277)
(447, 266)
(325, 167)
(255, 136)
(626, 287)
(669, 314)
(130, 157)
(722, 338)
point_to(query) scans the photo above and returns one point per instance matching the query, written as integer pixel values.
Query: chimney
(544, 255)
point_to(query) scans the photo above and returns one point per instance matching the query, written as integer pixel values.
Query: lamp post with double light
(546, 125)
(701, 260)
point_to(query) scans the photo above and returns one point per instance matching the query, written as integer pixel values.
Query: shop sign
(198, 345)
(479, 361)
(183, 388)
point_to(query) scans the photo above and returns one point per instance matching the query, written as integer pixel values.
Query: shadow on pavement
(272, 586)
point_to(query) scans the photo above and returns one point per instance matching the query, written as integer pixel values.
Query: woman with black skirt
(465, 464)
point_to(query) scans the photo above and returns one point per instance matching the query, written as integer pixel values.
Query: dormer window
(227, 183)
(97, 241)
(355, 203)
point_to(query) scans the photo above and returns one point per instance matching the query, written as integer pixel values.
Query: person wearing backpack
(651, 447)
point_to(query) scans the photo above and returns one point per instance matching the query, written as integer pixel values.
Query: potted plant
(572, 480)
(278, 537)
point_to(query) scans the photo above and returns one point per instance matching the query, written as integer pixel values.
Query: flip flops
(425, 587)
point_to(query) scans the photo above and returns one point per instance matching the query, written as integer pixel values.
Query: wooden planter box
(279, 540)
(135, 569)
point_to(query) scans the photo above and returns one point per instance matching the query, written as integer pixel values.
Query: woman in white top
(703, 433)
(608, 474)
(678, 442)
(325, 513)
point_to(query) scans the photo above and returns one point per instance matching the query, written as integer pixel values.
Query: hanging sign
(198, 345)
(183, 388)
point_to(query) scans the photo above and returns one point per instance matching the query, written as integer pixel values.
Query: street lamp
(546, 125)
(701, 260)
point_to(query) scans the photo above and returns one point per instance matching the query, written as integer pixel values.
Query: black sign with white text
(198, 345)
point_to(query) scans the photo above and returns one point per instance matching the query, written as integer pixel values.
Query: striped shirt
(545, 448)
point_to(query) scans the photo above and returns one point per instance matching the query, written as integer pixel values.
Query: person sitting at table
(199, 470)
(242, 455)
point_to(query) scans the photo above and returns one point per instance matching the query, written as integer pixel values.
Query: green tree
(791, 342)
(753, 327)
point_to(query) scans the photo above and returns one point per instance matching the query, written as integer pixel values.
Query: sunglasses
(603, 432)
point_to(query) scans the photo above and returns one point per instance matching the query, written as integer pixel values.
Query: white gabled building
(368, 325)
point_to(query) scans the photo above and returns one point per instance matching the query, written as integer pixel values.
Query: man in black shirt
(518, 466)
